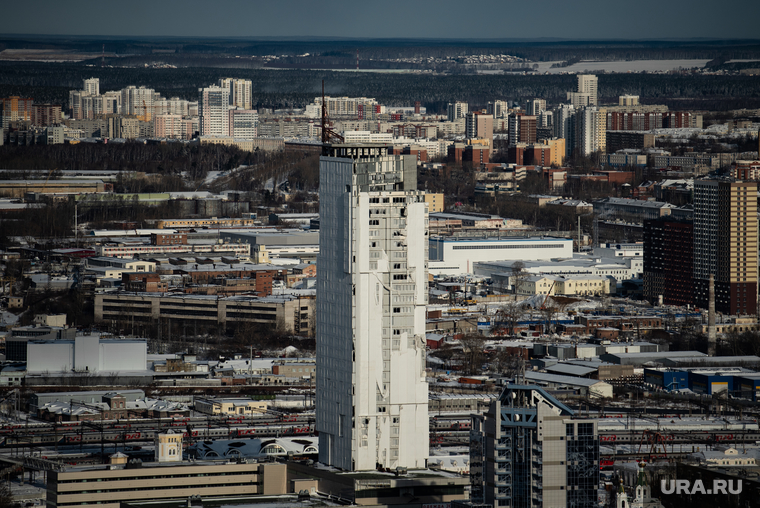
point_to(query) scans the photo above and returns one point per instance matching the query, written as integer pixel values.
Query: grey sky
(571, 19)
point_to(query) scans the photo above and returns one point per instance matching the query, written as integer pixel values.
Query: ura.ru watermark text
(698, 487)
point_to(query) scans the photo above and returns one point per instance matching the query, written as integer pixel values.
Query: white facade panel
(116, 355)
(54, 356)
(87, 353)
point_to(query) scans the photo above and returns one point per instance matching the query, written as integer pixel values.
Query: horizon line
(322, 38)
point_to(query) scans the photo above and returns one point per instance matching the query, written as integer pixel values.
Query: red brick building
(516, 154)
(538, 155)
(141, 282)
(244, 279)
(617, 177)
(168, 238)
(477, 154)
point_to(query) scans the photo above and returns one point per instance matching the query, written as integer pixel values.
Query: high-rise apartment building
(669, 261)
(75, 104)
(529, 451)
(564, 126)
(15, 109)
(557, 146)
(725, 244)
(498, 109)
(457, 110)
(579, 100)
(239, 91)
(628, 100)
(166, 125)
(243, 123)
(588, 134)
(137, 101)
(535, 106)
(356, 107)
(44, 115)
(479, 125)
(372, 394)
(213, 109)
(112, 102)
(175, 106)
(92, 86)
(546, 119)
(587, 83)
(522, 128)
(601, 130)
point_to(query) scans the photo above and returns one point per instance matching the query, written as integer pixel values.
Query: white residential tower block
(372, 396)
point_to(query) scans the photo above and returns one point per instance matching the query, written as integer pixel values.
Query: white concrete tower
(213, 108)
(239, 91)
(587, 83)
(92, 86)
(372, 396)
(587, 131)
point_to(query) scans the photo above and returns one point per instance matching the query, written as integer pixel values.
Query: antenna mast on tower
(328, 134)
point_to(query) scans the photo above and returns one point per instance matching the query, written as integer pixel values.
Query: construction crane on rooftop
(328, 134)
(145, 117)
(543, 304)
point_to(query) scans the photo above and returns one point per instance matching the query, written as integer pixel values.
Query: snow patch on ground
(6, 318)
(213, 175)
(290, 351)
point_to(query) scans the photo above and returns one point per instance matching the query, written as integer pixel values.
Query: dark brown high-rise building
(44, 115)
(668, 261)
(725, 244)
(522, 128)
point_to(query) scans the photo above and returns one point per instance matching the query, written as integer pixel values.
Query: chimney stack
(711, 334)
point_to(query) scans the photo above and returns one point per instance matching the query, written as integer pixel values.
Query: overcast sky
(568, 19)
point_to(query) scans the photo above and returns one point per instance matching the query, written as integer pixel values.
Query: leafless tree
(6, 497)
(508, 364)
(445, 353)
(508, 316)
(472, 353)
(549, 311)
(518, 275)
